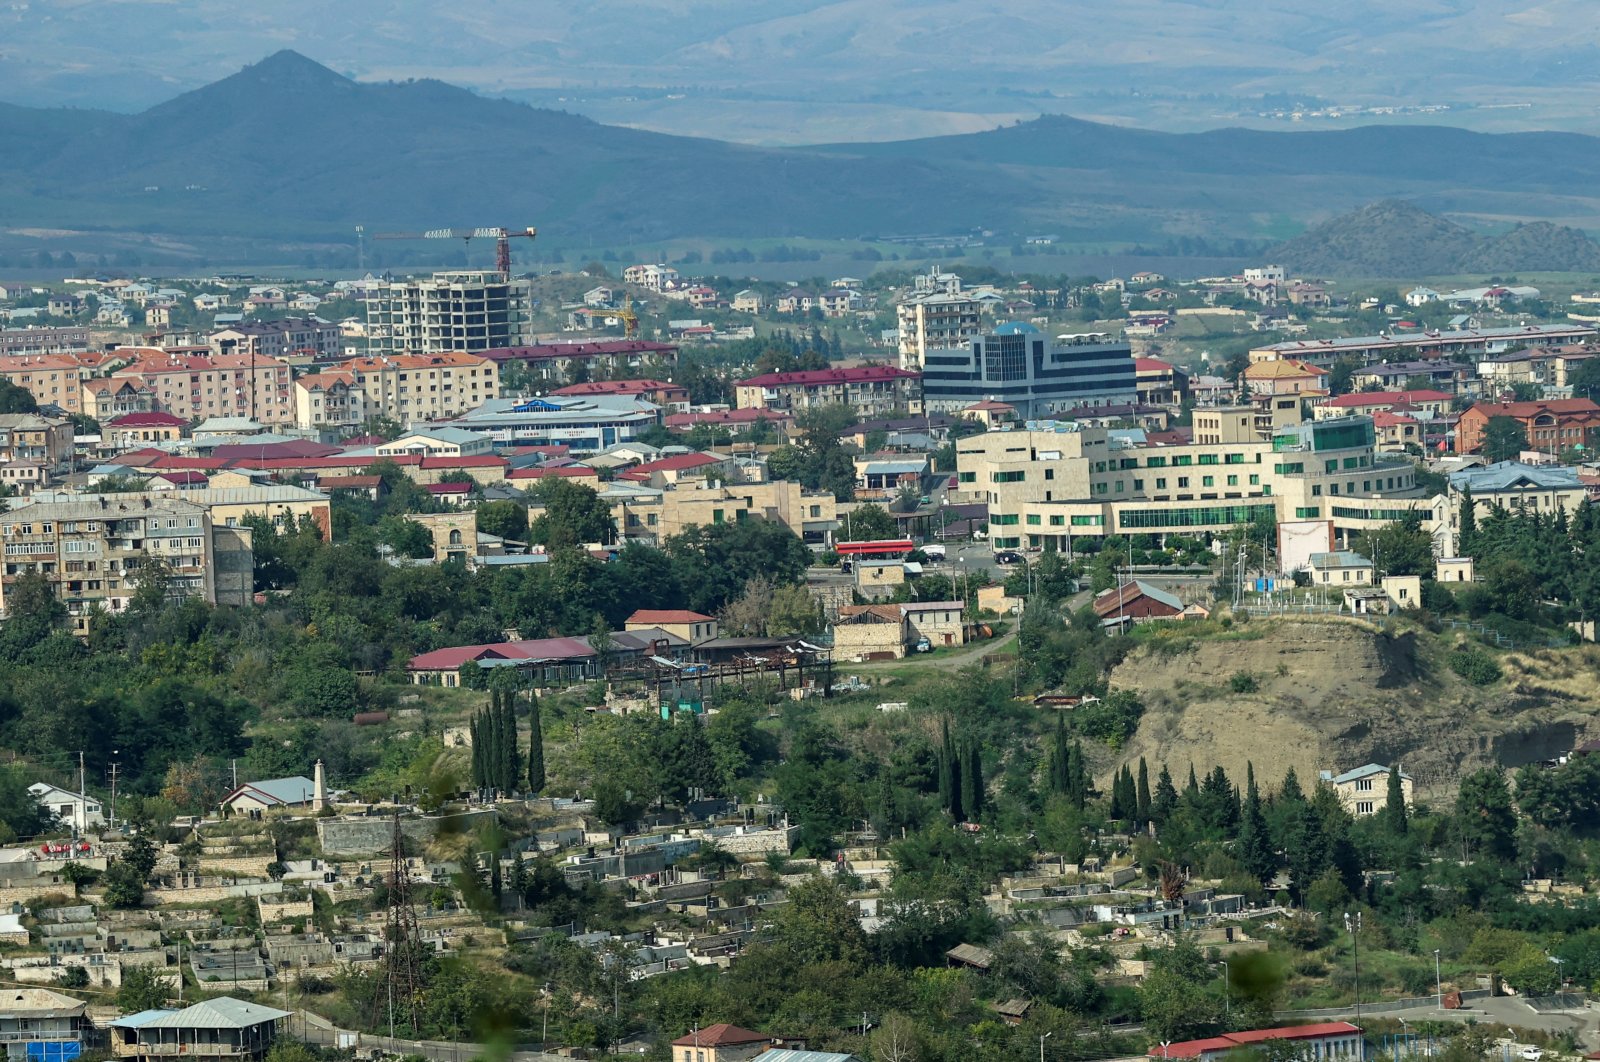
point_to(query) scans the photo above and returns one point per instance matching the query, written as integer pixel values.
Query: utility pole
(1438, 983)
(1354, 929)
(114, 790)
(82, 786)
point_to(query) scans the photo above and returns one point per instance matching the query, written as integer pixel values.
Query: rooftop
(1515, 475)
(821, 377)
(721, 1035)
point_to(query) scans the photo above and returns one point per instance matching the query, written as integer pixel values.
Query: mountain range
(289, 151)
(1020, 56)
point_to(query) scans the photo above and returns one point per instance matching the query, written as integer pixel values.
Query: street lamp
(1438, 984)
(1042, 1039)
(1353, 927)
(1227, 990)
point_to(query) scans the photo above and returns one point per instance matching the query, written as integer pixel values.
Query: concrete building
(25, 341)
(412, 388)
(199, 386)
(935, 320)
(556, 363)
(53, 379)
(692, 627)
(434, 442)
(1473, 344)
(583, 425)
(871, 390)
(1285, 376)
(136, 430)
(464, 311)
(34, 449)
(1550, 425)
(1365, 790)
(651, 276)
(1037, 376)
(1341, 568)
(1333, 1041)
(719, 1043)
(281, 338)
(1061, 481)
(330, 401)
(90, 550)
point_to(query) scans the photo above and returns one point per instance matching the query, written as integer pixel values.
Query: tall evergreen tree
(535, 747)
(510, 754)
(1255, 845)
(1060, 760)
(1165, 800)
(476, 737)
(1290, 791)
(1395, 806)
(1142, 794)
(972, 780)
(1467, 525)
(1191, 792)
(947, 775)
(1077, 776)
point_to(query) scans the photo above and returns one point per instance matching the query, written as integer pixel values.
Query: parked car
(924, 646)
(1007, 556)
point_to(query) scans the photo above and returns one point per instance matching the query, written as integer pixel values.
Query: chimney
(319, 788)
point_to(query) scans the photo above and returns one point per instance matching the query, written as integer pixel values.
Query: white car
(1530, 1054)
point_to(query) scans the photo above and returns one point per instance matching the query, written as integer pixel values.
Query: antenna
(361, 249)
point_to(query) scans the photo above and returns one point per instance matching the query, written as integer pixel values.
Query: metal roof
(295, 790)
(222, 1013)
(1506, 475)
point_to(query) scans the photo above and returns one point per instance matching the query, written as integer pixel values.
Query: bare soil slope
(1334, 694)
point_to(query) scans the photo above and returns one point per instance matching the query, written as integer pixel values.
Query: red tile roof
(1228, 1041)
(722, 1035)
(1151, 365)
(655, 617)
(724, 416)
(538, 649)
(1523, 410)
(448, 488)
(146, 420)
(819, 377)
(675, 463)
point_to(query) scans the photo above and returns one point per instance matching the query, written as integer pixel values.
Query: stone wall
(371, 836)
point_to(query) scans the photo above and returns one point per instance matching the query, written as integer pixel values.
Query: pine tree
(1191, 792)
(1142, 794)
(972, 780)
(535, 747)
(1255, 846)
(1395, 806)
(1467, 531)
(1290, 792)
(1165, 800)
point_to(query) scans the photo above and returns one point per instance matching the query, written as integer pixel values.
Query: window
(1156, 462)
(1183, 459)
(1363, 807)
(1310, 512)
(1208, 481)
(1009, 477)
(1331, 466)
(1208, 459)
(1161, 484)
(1057, 521)
(1255, 480)
(1234, 459)
(1049, 473)
(1233, 481)
(1363, 785)
(1033, 520)
(968, 477)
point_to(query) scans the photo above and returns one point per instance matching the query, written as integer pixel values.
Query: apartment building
(871, 390)
(935, 320)
(556, 362)
(1474, 344)
(91, 549)
(1034, 374)
(296, 336)
(200, 386)
(650, 514)
(104, 398)
(33, 449)
(52, 379)
(20, 341)
(133, 430)
(411, 388)
(1062, 481)
(465, 311)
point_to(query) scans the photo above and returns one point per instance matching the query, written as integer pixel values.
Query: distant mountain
(1399, 239)
(290, 153)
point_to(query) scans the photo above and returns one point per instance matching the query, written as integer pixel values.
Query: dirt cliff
(1330, 693)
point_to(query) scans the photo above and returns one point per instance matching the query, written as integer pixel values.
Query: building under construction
(470, 311)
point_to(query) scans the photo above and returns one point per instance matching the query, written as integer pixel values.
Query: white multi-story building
(470, 311)
(935, 321)
(654, 277)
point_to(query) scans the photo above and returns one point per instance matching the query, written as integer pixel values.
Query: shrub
(1242, 682)
(1475, 665)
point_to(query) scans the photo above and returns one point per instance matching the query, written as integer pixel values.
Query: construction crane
(630, 321)
(501, 236)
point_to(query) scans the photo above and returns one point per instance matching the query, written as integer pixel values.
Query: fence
(1561, 1001)
(315, 1029)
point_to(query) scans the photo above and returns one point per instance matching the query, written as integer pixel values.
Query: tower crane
(501, 235)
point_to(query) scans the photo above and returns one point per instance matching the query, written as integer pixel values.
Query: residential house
(1159, 383)
(38, 1025)
(719, 1043)
(1397, 433)
(653, 277)
(1364, 791)
(34, 449)
(223, 1028)
(1550, 425)
(692, 627)
(795, 300)
(197, 386)
(1425, 403)
(1312, 296)
(253, 799)
(1420, 296)
(78, 810)
(136, 430)
(331, 401)
(1135, 601)
(1285, 376)
(871, 390)
(748, 301)
(1341, 568)
(991, 414)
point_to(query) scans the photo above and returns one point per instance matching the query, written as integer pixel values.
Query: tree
(572, 515)
(503, 519)
(1585, 380)
(1142, 794)
(1485, 816)
(1467, 521)
(1177, 998)
(1255, 843)
(818, 925)
(1401, 547)
(15, 399)
(867, 523)
(536, 777)
(1394, 808)
(143, 988)
(972, 793)
(1503, 439)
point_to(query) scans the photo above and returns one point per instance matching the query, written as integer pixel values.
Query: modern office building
(584, 425)
(1057, 482)
(470, 311)
(1036, 375)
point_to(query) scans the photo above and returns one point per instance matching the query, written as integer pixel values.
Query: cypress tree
(535, 747)
(1191, 792)
(971, 780)
(1165, 800)
(1142, 794)
(1078, 777)
(510, 755)
(1290, 792)
(946, 768)
(1059, 778)
(1255, 846)
(1467, 530)
(1395, 806)
(476, 733)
